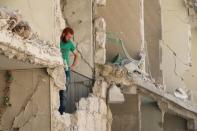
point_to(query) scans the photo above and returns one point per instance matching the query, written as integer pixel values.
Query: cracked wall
(30, 103)
(92, 113)
(129, 82)
(20, 42)
(190, 77)
(175, 44)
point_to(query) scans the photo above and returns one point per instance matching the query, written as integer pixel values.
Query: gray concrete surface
(126, 115)
(122, 19)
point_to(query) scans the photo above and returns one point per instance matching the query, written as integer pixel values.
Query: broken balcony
(25, 83)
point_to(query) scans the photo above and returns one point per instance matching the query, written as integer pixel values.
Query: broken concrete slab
(115, 95)
(100, 88)
(34, 52)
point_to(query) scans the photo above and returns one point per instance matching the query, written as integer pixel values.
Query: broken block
(100, 56)
(115, 95)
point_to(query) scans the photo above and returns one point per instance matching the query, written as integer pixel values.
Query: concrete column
(151, 116)
(126, 115)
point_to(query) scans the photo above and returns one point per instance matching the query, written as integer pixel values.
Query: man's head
(67, 34)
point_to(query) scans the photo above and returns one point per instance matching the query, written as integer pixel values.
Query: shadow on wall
(174, 123)
(126, 115)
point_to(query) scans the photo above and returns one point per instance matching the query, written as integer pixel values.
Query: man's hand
(65, 65)
(72, 67)
(75, 60)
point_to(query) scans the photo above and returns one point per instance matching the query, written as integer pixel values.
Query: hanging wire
(116, 40)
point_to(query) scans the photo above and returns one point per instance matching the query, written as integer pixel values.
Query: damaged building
(136, 72)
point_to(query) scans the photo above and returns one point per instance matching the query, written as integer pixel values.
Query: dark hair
(65, 32)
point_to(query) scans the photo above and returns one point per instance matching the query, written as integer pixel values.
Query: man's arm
(75, 59)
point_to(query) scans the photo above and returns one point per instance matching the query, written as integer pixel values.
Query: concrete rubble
(19, 42)
(192, 7)
(112, 73)
(92, 113)
(115, 95)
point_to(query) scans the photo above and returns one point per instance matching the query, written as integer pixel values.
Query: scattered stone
(23, 29)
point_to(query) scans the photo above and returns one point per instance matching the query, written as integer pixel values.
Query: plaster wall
(152, 28)
(123, 21)
(126, 115)
(40, 15)
(190, 77)
(174, 123)
(6, 64)
(151, 117)
(30, 101)
(175, 43)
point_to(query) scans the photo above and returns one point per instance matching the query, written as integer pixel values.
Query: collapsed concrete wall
(92, 113)
(29, 107)
(137, 83)
(35, 52)
(20, 42)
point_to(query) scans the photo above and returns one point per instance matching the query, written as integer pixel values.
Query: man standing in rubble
(67, 46)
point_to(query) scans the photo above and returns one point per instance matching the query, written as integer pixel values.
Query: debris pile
(23, 43)
(12, 20)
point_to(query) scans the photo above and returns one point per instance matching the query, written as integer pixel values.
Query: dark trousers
(62, 93)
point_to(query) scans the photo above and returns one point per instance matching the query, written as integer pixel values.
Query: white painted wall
(190, 76)
(175, 39)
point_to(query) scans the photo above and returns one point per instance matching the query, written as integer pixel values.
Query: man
(67, 46)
